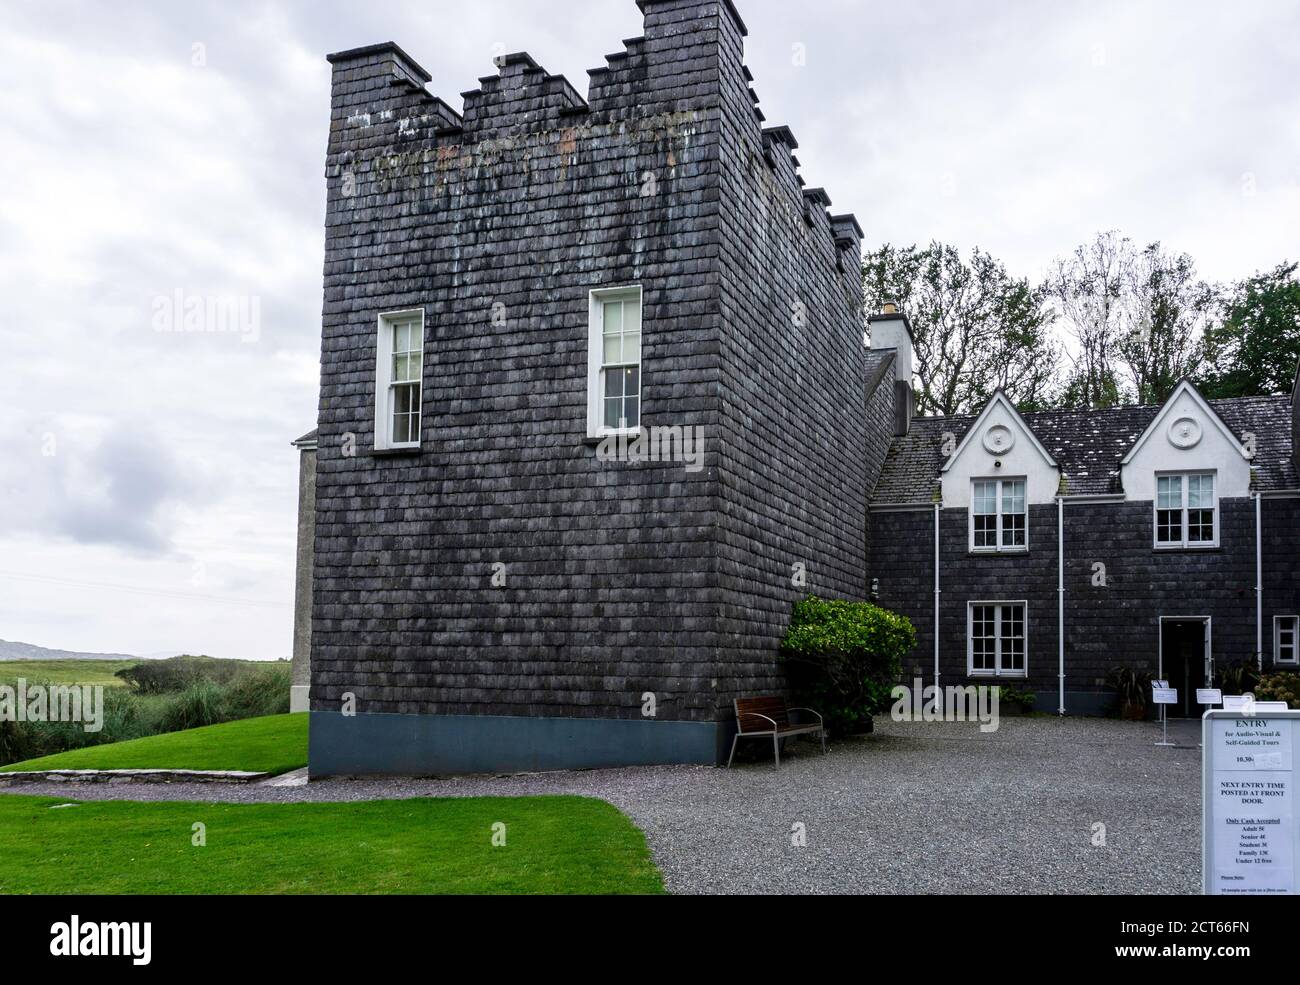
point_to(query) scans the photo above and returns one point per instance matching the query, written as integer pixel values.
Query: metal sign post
(1250, 829)
(1208, 697)
(1164, 695)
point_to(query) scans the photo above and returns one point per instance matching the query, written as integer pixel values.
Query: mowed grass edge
(552, 845)
(271, 744)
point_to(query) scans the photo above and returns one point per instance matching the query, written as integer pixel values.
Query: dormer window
(999, 521)
(1186, 510)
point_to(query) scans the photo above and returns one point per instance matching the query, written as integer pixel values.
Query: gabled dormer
(1187, 436)
(997, 470)
(1185, 463)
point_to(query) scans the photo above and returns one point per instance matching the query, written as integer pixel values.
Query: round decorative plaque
(998, 439)
(1185, 433)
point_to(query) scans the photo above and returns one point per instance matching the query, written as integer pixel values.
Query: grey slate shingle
(1088, 445)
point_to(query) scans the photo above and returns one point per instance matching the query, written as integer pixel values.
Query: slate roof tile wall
(793, 463)
(620, 578)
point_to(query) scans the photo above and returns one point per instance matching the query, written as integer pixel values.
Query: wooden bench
(758, 718)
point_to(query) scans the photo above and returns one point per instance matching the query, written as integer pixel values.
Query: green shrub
(843, 658)
(1238, 677)
(202, 703)
(1024, 700)
(262, 692)
(175, 674)
(1282, 686)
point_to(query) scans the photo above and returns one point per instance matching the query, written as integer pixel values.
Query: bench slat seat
(761, 717)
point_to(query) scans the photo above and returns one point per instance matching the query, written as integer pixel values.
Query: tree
(1255, 348)
(1137, 317)
(1170, 311)
(976, 328)
(1088, 290)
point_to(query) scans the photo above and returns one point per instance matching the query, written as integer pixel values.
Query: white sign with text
(1249, 824)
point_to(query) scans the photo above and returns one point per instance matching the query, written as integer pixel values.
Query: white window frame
(384, 378)
(1184, 544)
(997, 548)
(1294, 659)
(997, 670)
(595, 359)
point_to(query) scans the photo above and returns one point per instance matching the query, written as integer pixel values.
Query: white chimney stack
(890, 330)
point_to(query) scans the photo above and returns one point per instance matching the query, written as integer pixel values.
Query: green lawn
(552, 845)
(272, 744)
(65, 671)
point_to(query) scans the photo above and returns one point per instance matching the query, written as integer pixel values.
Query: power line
(151, 592)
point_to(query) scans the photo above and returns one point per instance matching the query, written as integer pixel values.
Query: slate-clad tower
(505, 288)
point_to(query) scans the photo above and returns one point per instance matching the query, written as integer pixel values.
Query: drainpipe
(936, 597)
(1259, 581)
(1060, 596)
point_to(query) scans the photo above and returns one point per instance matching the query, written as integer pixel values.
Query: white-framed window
(999, 519)
(1186, 510)
(399, 379)
(997, 639)
(614, 362)
(1286, 639)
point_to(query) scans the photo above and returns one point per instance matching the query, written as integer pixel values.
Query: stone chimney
(890, 330)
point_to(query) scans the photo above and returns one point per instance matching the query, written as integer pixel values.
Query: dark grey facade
(1110, 621)
(502, 574)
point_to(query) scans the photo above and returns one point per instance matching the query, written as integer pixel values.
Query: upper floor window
(996, 639)
(614, 362)
(1286, 639)
(1186, 510)
(399, 379)
(998, 517)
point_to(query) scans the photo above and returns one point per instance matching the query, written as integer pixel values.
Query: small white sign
(1209, 696)
(1165, 695)
(1271, 706)
(1238, 702)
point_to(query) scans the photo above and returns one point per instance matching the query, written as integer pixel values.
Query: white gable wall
(975, 461)
(1213, 451)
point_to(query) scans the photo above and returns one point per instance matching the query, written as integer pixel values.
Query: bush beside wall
(843, 658)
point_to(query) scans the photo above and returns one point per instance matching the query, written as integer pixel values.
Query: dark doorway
(1183, 655)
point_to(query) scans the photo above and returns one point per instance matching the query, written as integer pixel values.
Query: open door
(1186, 660)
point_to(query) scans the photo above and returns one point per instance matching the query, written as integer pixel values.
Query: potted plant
(1012, 701)
(1238, 677)
(1134, 690)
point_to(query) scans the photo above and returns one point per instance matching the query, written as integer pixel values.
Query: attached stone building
(596, 410)
(1043, 550)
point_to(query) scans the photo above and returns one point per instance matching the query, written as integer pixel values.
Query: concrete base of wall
(299, 699)
(446, 745)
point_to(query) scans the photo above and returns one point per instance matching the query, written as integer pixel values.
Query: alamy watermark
(205, 313)
(53, 703)
(929, 703)
(102, 939)
(656, 444)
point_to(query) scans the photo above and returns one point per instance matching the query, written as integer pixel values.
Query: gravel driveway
(915, 808)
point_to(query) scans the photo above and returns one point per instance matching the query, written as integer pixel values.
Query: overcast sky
(147, 485)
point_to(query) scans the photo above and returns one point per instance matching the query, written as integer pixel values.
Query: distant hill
(29, 651)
